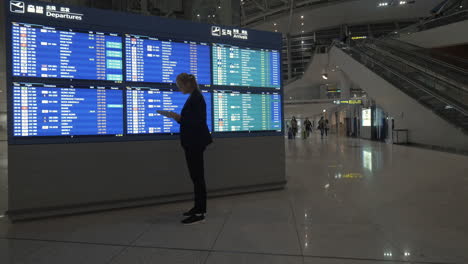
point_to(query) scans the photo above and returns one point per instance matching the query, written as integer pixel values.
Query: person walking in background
(289, 130)
(294, 126)
(194, 137)
(321, 126)
(327, 127)
(308, 127)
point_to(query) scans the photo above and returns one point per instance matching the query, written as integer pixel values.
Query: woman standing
(194, 137)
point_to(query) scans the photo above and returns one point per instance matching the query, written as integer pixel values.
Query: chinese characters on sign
(217, 31)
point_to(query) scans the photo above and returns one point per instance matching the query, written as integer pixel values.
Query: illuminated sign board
(58, 12)
(366, 117)
(217, 31)
(358, 37)
(351, 102)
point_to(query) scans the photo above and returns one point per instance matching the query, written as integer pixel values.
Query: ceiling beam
(259, 5)
(305, 4)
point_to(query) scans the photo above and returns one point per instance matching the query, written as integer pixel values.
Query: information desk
(142, 104)
(235, 66)
(152, 60)
(50, 110)
(236, 111)
(48, 52)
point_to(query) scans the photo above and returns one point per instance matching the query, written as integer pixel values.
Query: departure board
(41, 51)
(236, 111)
(49, 110)
(235, 66)
(152, 60)
(142, 104)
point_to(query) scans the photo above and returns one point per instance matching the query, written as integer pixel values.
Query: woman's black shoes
(193, 211)
(194, 219)
(190, 212)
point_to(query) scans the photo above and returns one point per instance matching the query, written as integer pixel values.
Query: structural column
(289, 55)
(3, 84)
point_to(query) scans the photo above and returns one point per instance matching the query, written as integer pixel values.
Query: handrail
(415, 84)
(427, 70)
(425, 53)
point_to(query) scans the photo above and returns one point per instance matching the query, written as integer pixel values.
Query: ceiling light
(302, 23)
(325, 76)
(302, 17)
(302, 31)
(274, 24)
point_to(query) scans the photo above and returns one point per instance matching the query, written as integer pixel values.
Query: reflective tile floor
(348, 201)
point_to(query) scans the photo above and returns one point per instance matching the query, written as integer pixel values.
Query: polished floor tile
(309, 260)
(266, 226)
(153, 256)
(36, 252)
(347, 201)
(167, 231)
(242, 258)
(434, 244)
(345, 241)
(13, 251)
(120, 227)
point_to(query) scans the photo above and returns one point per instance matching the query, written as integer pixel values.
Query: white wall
(424, 126)
(308, 86)
(302, 110)
(449, 35)
(352, 12)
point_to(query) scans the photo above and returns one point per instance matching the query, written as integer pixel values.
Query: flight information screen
(235, 66)
(152, 60)
(49, 110)
(41, 51)
(236, 111)
(142, 104)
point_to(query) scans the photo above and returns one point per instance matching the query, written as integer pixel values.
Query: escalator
(449, 68)
(437, 85)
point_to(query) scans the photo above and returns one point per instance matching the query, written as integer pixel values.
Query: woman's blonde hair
(187, 79)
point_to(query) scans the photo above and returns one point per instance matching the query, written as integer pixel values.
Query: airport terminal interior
(339, 131)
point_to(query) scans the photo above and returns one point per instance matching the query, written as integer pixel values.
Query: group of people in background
(293, 127)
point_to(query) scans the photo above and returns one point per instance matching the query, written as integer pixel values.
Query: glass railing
(451, 61)
(441, 79)
(428, 92)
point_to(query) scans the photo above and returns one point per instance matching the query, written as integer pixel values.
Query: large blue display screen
(142, 104)
(152, 60)
(41, 51)
(235, 66)
(49, 110)
(236, 111)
